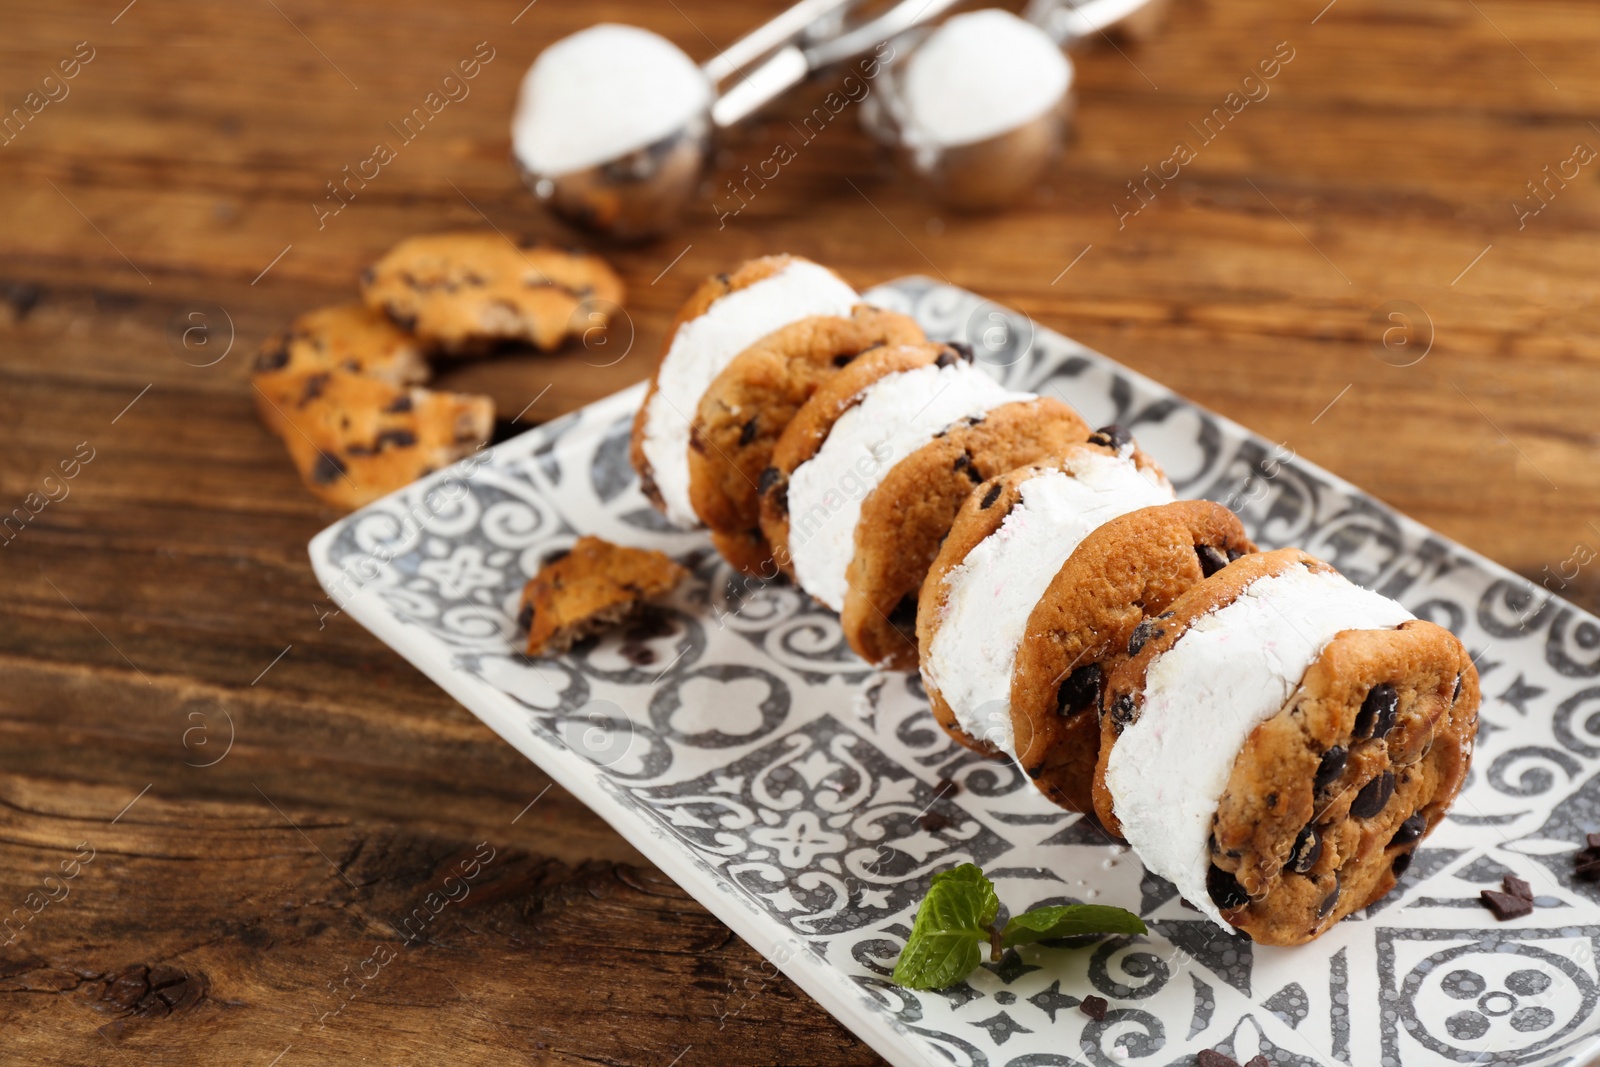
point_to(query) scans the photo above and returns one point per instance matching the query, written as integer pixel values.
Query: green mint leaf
(951, 927)
(1067, 920)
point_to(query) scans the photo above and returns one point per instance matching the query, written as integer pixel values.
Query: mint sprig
(957, 917)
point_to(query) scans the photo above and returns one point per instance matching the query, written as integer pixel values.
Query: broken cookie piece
(592, 588)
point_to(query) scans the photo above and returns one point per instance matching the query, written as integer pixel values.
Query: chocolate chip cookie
(356, 438)
(466, 293)
(351, 338)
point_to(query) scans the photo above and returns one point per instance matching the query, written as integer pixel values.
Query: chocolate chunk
(1517, 887)
(1142, 635)
(1330, 901)
(395, 439)
(1331, 767)
(1113, 437)
(1122, 712)
(314, 387)
(1505, 906)
(1094, 1008)
(525, 617)
(768, 479)
(1225, 890)
(947, 357)
(1081, 691)
(399, 404)
(1592, 840)
(1211, 560)
(274, 358)
(991, 496)
(963, 350)
(747, 432)
(1307, 850)
(932, 821)
(637, 654)
(1373, 796)
(327, 468)
(1457, 691)
(1588, 869)
(1234, 553)
(1401, 863)
(1213, 1058)
(1409, 830)
(1377, 714)
(947, 787)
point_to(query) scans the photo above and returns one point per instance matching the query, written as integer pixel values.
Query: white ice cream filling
(1231, 670)
(894, 416)
(991, 593)
(704, 346)
(980, 75)
(601, 93)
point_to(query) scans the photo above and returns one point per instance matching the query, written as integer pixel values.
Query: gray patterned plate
(799, 795)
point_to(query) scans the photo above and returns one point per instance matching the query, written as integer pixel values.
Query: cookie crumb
(1095, 1008)
(1505, 906)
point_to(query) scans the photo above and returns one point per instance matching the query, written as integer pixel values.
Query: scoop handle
(779, 31)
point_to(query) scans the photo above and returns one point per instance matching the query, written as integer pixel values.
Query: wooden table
(165, 603)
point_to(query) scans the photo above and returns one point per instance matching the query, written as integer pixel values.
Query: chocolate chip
(1213, 1058)
(974, 476)
(1234, 553)
(1593, 840)
(1142, 635)
(1122, 712)
(1517, 887)
(962, 462)
(1113, 437)
(963, 350)
(947, 787)
(525, 617)
(844, 360)
(1094, 1008)
(1035, 772)
(399, 404)
(327, 468)
(947, 358)
(1211, 560)
(1225, 890)
(1409, 831)
(1307, 850)
(1588, 868)
(768, 479)
(314, 387)
(990, 497)
(1081, 691)
(1330, 901)
(1373, 796)
(638, 654)
(274, 358)
(932, 821)
(1376, 717)
(904, 615)
(395, 439)
(747, 432)
(1401, 864)
(1331, 767)
(1505, 906)
(1457, 691)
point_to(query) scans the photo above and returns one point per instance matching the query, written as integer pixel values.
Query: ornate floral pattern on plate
(806, 799)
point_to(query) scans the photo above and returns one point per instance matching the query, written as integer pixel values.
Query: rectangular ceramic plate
(785, 785)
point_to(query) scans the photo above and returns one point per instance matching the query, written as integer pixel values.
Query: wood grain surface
(251, 911)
